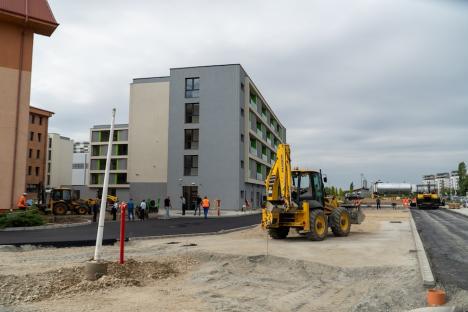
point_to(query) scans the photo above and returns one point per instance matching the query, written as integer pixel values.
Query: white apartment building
(81, 147)
(59, 161)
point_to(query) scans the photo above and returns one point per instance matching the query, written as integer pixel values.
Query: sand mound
(69, 281)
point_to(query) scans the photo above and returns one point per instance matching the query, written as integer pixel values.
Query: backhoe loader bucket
(357, 216)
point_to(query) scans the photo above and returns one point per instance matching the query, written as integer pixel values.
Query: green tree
(463, 180)
(351, 187)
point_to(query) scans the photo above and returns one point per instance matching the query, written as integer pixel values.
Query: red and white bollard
(123, 207)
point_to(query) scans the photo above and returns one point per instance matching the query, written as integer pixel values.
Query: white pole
(102, 212)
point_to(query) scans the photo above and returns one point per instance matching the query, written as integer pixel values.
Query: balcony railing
(259, 176)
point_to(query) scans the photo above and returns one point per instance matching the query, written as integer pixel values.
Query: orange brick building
(19, 21)
(37, 149)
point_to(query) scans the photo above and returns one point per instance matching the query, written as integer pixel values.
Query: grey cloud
(362, 86)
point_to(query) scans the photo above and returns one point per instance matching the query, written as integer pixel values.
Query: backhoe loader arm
(279, 180)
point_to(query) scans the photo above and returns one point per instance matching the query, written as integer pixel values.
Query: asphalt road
(445, 238)
(86, 234)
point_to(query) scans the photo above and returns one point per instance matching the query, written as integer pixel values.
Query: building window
(50, 142)
(242, 112)
(38, 154)
(242, 86)
(39, 137)
(33, 118)
(242, 164)
(48, 180)
(119, 150)
(192, 87)
(37, 171)
(30, 152)
(40, 121)
(31, 136)
(29, 170)
(192, 112)
(50, 154)
(191, 138)
(190, 165)
(48, 168)
(242, 138)
(242, 194)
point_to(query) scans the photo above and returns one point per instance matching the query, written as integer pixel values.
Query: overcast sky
(372, 87)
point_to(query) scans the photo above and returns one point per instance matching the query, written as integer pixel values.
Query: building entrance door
(190, 194)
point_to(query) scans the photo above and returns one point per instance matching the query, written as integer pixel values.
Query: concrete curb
(424, 266)
(193, 234)
(44, 227)
(176, 216)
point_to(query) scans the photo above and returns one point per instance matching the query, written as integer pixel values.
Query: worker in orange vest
(21, 204)
(206, 206)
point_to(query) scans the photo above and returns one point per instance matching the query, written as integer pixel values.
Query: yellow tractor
(296, 199)
(61, 200)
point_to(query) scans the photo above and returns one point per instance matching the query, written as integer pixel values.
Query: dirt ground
(373, 269)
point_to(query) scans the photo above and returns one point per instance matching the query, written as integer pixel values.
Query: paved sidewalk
(213, 213)
(462, 211)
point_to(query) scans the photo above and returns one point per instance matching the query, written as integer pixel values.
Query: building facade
(18, 24)
(81, 147)
(37, 150)
(59, 161)
(222, 134)
(148, 138)
(118, 185)
(446, 182)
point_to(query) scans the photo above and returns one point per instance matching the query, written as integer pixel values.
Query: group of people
(199, 204)
(141, 210)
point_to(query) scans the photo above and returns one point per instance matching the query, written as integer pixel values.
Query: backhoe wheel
(278, 233)
(318, 226)
(340, 221)
(60, 209)
(82, 210)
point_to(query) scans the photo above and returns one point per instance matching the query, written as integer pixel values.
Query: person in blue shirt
(131, 208)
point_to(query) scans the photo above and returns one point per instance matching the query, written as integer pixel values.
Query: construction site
(190, 191)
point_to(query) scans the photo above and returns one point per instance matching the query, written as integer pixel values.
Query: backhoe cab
(296, 199)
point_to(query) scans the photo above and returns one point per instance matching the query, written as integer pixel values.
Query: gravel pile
(69, 281)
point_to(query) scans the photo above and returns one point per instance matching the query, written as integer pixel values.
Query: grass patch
(30, 217)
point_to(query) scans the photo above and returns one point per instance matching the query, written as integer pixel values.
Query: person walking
(95, 210)
(378, 202)
(167, 205)
(131, 208)
(114, 210)
(142, 210)
(394, 205)
(183, 204)
(21, 204)
(206, 206)
(198, 206)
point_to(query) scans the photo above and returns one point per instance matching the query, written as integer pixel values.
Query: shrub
(30, 217)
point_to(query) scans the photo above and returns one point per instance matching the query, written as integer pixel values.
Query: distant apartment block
(59, 161)
(81, 147)
(118, 185)
(37, 150)
(444, 181)
(221, 136)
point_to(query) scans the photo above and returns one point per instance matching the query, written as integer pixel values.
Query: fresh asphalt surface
(445, 238)
(86, 234)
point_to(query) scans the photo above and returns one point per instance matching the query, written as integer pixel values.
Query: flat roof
(151, 79)
(40, 111)
(119, 126)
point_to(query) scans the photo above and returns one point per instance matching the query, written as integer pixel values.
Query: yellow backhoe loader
(296, 199)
